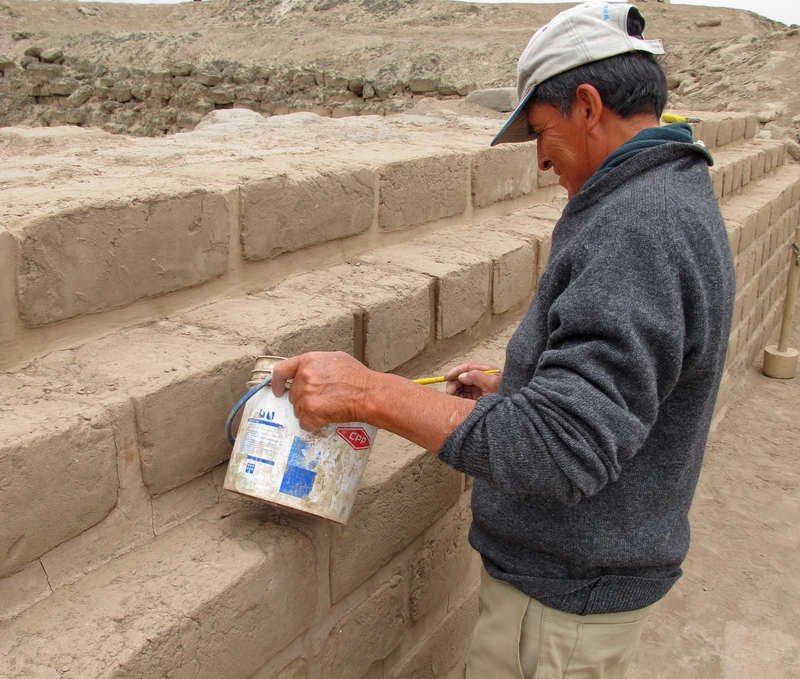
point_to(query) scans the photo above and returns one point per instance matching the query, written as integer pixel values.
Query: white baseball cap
(577, 36)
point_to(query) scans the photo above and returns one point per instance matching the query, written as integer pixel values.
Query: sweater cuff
(467, 448)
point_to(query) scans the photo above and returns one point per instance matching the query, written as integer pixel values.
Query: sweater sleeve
(613, 353)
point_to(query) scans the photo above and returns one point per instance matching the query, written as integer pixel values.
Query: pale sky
(785, 11)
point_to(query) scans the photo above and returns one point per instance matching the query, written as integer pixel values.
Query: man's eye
(535, 134)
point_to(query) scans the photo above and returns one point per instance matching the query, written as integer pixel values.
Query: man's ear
(588, 104)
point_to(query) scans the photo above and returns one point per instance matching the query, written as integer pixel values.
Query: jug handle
(238, 407)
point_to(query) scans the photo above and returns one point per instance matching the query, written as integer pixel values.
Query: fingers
(473, 384)
(459, 382)
(283, 371)
(327, 387)
(488, 384)
(453, 373)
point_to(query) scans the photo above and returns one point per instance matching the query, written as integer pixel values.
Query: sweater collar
(648, 138)
(649, 148)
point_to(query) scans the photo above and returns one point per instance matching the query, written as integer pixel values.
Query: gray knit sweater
(587, 459)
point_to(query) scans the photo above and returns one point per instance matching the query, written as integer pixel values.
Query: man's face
(561, 144)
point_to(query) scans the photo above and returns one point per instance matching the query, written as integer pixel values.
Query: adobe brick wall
(114, 402)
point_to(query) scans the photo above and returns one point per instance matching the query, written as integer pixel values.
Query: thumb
(283, 371)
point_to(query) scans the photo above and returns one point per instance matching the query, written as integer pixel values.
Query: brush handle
(434, 380)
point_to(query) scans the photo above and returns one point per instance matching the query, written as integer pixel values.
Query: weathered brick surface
(182, 424)
(513, 277)
(8, 287)
(59, 475)
(202, 596)
(462, 280)
(747, 170)
(182, 382)
(536, 224)
(290, 212)
(759, 163)
(129, 523)
(708, 133)
(294, 670)
(751, 125)
(738, 129)
(137, 250)
(22, 590)
(440, 565)
(445, 647)
(744, 216)
(367, 634)
(764, 213)
(513, 258)
(403, 491)
(422, 190)
(717, 182)
(286, 325)
(503, 172)
(216, 597)
(734, 233)
(724, 132)
(181, 503)
(395, 306)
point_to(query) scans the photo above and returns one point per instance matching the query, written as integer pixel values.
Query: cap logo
(606, 15)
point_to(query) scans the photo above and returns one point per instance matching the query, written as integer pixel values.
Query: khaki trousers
(516, 637)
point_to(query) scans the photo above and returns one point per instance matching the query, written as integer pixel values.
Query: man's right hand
(469, 381)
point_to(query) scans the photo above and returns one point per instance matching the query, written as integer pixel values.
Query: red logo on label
(355, 436)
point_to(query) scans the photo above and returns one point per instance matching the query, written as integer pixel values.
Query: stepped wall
(139, 280)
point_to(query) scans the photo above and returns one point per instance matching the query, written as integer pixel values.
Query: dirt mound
(156, 69)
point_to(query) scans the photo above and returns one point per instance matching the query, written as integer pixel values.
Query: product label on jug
(262, 440)
(357, 437)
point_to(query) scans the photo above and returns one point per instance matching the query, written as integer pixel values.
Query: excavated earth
(158, 69)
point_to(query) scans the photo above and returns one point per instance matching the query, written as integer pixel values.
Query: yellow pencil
(433, 380)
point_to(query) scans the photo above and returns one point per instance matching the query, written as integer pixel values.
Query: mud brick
(58, 465)
(739, 127)
(504, 172)
(751, 125)
(404, 490)
(394, 305)
(724, 132)
(225, 574)
(462, 280)
(446, 646)
(367, 634)
(441, 564)
(137, 250)
(422, 190)
(295, 210)
(285, 324)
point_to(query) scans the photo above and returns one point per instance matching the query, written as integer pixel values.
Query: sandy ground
(735, 614)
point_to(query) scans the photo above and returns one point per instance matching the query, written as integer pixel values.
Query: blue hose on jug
(238, 407)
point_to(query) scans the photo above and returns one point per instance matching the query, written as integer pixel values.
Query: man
(587, 451)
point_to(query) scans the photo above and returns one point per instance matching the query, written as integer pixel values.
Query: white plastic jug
(273, 459)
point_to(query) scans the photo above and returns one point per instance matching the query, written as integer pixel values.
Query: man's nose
(541, 157)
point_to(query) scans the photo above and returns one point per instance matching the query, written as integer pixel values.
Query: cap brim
(516, 129)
